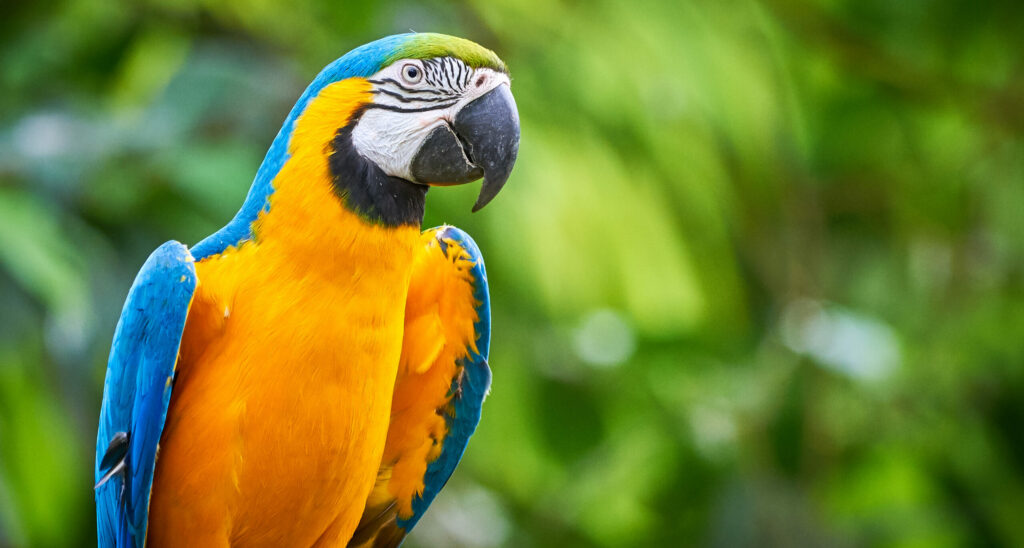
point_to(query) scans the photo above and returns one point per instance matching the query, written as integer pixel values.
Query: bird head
(442, 114)
(380, 126)
(407, 112)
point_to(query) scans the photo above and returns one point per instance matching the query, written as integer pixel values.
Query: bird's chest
(312, 358)
(315, 389)
(294, 386)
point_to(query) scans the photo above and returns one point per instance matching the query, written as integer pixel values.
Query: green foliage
(758, 276)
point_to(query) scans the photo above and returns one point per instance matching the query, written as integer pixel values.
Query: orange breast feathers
(281, 406)
(439, 331)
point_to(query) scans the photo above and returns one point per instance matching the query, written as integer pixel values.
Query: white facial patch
(411, 98)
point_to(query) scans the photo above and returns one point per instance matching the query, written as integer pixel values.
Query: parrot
(311, 373)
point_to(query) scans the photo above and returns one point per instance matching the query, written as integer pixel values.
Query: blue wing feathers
(470, 390)
(137, 390)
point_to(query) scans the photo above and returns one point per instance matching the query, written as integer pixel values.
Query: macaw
(310, 374)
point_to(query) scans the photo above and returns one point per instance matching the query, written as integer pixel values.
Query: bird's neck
(365, 189)
(358, 183)
(331, 207)
(314, 231)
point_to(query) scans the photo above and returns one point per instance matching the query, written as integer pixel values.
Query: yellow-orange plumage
(289, 357)
(439, 332)
(440, 309)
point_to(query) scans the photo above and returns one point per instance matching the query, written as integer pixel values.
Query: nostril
(480, 80)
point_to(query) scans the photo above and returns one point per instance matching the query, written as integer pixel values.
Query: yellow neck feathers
(306, 218)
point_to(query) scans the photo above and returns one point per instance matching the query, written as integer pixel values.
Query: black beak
(482, 141)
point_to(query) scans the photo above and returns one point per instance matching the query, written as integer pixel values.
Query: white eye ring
(412, 74)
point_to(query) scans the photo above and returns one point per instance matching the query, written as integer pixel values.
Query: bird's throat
(367, 191)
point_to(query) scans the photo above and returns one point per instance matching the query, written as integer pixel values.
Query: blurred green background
(758, 277)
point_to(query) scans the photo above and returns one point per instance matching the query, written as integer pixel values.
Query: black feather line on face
(447, 70)
(397, 84)
(421, 109)
(430, 67)
(366, 190)
(407, 99)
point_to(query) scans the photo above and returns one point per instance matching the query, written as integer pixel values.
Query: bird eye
(412, 74)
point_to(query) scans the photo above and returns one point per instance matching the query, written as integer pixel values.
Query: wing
(443, 378)
(137, 391)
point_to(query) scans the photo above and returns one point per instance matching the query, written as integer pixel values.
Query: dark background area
(758, 276)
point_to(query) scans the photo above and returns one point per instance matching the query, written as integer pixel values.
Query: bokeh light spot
(604, 339)
(855, 345)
